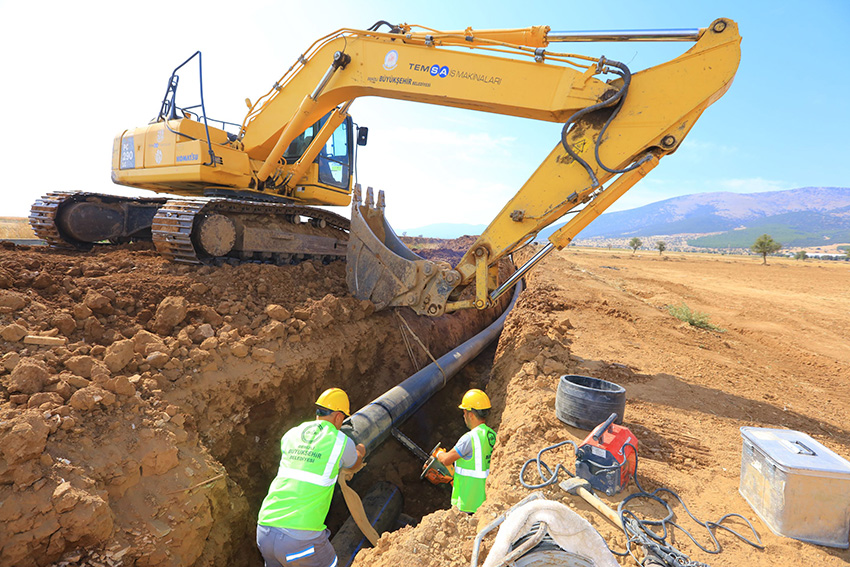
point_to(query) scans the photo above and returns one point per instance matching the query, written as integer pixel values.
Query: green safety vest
(471, 474)
(300, 495)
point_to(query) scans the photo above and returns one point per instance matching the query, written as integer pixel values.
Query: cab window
(334, 158)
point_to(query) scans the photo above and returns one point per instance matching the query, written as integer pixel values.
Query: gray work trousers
(278, 549)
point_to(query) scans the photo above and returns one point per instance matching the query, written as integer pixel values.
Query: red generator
(607, 458)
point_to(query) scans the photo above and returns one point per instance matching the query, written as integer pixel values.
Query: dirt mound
(444, 538)
(142, 402)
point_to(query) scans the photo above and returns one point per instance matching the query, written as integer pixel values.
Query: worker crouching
(291, 524)
(471, 454)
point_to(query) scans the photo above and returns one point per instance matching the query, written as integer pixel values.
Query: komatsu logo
(188, 157)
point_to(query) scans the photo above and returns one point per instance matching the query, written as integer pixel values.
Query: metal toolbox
(798, 487)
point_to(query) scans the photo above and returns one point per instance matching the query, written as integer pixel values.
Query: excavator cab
(335, 160)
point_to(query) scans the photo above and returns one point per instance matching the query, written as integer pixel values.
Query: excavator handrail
(170, 106)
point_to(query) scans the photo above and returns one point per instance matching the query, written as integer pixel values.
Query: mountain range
(808, 216)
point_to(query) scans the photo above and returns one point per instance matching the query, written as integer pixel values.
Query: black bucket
(585, 402)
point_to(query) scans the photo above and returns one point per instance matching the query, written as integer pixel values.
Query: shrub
(693, 318)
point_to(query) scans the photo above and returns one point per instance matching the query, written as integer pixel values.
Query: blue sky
(69, 88)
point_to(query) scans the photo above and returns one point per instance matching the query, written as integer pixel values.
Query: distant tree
(847, 253)
(800, 255)
(764, 245)
(634, 244)
(661, 245)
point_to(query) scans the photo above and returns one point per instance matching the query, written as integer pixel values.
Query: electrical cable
(638, 531)
(553, 478)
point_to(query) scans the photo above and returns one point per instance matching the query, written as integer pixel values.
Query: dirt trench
(147, 430)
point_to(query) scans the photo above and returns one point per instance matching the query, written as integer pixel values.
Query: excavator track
(179, 228)
(43, 218)
(47, 221)
(178, 232)
(172, 230)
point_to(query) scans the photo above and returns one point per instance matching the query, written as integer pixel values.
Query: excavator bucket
(383, 270)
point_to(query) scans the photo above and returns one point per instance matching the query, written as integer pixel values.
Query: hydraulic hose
(616, 101)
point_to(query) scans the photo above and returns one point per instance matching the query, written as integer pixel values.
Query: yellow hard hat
(475, 399)
(334, 399)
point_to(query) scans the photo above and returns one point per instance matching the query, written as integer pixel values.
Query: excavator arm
(614, 133)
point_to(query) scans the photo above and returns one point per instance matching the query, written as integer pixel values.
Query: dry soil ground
(781, 361)
(149, 436)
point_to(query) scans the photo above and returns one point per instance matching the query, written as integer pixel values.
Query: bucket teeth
(382, 269)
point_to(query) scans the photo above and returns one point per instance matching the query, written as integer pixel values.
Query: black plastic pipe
(372, 424)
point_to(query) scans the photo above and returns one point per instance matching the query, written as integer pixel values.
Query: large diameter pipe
(372, 424)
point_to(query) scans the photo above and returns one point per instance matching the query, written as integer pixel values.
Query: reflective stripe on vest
(478, 463)
(478, 471)
(324, 479)
(471, 473)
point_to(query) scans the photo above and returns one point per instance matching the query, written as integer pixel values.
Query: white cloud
(753, 185)
(698, 150)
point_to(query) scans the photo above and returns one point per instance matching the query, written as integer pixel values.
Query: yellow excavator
(246, 189)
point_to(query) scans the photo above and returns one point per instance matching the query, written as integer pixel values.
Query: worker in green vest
(471, 454)
(291, 524)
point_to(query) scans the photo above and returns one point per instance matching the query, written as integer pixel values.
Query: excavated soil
(148, 432)
(149, 437)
